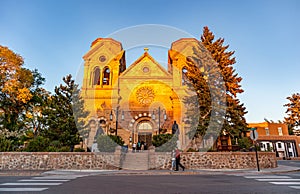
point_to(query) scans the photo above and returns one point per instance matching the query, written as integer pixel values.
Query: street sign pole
(255, 136)
(256, 157)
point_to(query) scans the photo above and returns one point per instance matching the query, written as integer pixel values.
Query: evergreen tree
(65, 115)
(204, 76)
(206, 109)
(234, 121)
(225, 61)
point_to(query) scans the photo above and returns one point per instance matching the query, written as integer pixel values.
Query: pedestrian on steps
(133, 147)
(138, 146)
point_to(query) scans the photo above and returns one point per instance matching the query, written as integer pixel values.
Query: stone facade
(56, 160)
(215, 160)
(135, 100)
(112, 161)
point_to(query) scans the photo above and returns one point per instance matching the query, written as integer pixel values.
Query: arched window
(96, 76)
(184, 76)
(144, 126)
(106, 76)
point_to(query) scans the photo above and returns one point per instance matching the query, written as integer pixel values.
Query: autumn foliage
(29, 113)
(293, 111)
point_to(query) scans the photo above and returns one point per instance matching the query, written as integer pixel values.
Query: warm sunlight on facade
(137, 100)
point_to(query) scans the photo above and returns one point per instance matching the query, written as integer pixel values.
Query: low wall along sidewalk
(56, 160)
(217, 160)
(112, 161)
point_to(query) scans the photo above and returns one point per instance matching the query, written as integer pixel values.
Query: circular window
(146, 69)
(102, 58)
(145, 95)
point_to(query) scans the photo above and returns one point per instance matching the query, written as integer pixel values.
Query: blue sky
(53, 35)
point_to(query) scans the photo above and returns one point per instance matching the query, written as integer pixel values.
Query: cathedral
(135, 101)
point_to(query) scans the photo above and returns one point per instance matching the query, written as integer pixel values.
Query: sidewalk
(279, 169)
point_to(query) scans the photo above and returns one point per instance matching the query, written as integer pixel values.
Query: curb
(21, 172)
(280, 169)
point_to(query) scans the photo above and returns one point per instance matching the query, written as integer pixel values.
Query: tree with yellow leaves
(15, 80)
(15, 93)
(293, 112)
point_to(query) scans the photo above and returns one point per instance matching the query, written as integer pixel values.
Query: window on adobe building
(106, 76)
(96, 76)
(279, 145)
(280, 131)
(267, 131)
(261, 145)
(268, 147)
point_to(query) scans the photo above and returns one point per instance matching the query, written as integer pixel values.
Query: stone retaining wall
(56, 160)
(112, 161)
(215, 160)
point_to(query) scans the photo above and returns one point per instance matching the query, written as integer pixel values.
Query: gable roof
(137, 62)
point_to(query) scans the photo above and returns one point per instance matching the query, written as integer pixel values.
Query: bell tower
(178, 60)
(179, 53)
(103, 64)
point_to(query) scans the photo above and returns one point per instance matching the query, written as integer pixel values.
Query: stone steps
(136, 161)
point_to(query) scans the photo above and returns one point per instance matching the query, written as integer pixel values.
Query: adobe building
(275, 137)
(134, 101)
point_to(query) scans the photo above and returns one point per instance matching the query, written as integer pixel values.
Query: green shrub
(5, 144)
(245, 143)
(64, 149)
(79, 150)
(51, 149)
(117, 139)
(164, 142)
(108, 143)
(38, 144)
(159, 140)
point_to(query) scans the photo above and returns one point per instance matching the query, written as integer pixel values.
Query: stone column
(152, 161)
(117, 157)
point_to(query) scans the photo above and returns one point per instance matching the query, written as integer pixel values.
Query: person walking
(133, 147)
(138, 146)
(173, 160)
(177, 158)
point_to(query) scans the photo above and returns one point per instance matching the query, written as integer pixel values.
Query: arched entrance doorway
(145, 130)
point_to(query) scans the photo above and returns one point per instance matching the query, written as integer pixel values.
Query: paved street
(283, 183)
(284, 179)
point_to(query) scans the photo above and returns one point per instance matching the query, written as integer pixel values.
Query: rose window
(145, 95)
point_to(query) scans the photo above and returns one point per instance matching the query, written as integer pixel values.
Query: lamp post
(159, 114)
